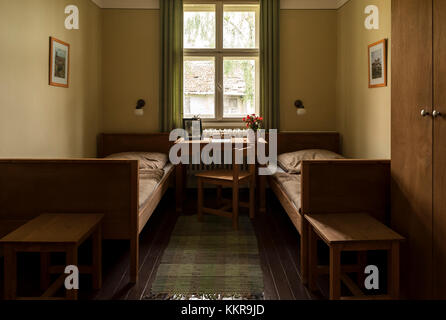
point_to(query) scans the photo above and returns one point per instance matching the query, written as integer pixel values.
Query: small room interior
(86, 170)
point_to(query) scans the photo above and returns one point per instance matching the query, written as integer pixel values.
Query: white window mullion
(219, 63)
(219, 87)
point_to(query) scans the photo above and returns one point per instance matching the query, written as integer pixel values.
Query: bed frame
(334, 186)
(32, 187)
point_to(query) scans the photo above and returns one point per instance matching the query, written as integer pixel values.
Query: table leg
(362, 263)
(252, 204)
(393, 273)
(219, 196)
(200, 199)
(262, 193)
(10, 273)
(72, 260)
(179, 186)
(97, 259)
(312, 261)
(44, 270)
(335, 272)
(235, 205)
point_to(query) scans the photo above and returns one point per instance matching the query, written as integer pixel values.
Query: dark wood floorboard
(152, 260)
(278, 246)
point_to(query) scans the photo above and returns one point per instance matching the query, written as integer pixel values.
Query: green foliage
(199, 29)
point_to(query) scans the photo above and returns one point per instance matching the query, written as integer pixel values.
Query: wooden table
(53, 233)
(181, 169)
(352, 232)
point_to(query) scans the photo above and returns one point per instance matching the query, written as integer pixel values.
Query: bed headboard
(294, 141)
(116, 143)
(159, 142)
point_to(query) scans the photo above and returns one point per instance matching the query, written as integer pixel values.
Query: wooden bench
(352, 232)
(50, 233)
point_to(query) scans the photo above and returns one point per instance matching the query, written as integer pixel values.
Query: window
(221, 59)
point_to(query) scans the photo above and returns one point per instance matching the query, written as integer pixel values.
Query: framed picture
(196, 123)
(378, 64)
(59, 63)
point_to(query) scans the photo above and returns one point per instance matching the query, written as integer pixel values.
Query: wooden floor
(278, 246)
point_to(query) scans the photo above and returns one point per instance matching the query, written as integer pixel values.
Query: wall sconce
(139, 111)
(301, 111)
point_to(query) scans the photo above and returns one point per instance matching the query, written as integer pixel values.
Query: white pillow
(147, 160)
(292, 162)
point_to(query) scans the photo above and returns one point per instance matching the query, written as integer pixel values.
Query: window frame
(219, 53)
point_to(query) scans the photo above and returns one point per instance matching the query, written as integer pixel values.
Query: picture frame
(59, 70)
(187, 126)
(377, 64)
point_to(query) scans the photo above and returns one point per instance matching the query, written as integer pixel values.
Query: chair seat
(225, 175)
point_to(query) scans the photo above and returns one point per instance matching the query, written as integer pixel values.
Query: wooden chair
(229, 178)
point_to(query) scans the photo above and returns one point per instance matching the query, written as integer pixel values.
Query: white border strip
(285, 4)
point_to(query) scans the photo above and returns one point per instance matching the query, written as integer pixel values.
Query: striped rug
(210, 260)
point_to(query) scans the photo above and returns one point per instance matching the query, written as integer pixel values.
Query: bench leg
(97, 259)
(312, 261)
(10, 273)
(44, 270)
(72, 260)
(335, 272)
(393, 258)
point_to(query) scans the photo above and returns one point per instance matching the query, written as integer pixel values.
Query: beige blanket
(291, 184)
(148, 180)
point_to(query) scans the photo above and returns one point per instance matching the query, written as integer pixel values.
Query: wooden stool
(53, 233)
(352, 232)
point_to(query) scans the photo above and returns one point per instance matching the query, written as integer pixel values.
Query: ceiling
(285, 4)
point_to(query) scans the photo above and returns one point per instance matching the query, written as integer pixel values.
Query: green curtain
(171, 95)
(269, 63)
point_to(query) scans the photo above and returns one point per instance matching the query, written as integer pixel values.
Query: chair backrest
(243, 153)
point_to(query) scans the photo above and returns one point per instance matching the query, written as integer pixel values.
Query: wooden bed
(33, 187)
(332, 186)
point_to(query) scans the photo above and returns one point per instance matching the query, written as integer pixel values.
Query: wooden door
(439, 236)
(412, 142)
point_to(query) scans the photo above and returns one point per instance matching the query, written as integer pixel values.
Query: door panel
(412, 142)
(439, 236)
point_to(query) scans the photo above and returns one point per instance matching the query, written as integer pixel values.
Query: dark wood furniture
(187, 146)
(352, 232)
(418, 149)
(333, 186)
(51, 233)
(110, 187)
(233, 179)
